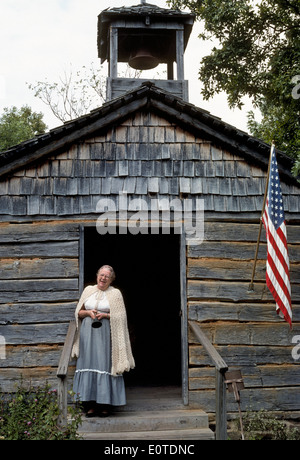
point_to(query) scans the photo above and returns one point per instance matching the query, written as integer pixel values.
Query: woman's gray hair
(112, 272)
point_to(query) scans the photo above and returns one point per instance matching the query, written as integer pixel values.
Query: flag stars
(275, 202)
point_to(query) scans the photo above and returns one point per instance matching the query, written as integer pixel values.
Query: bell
(143, 60)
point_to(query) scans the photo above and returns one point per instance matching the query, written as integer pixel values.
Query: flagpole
(261, 217)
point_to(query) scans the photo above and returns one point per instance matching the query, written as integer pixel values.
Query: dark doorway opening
(148, 274)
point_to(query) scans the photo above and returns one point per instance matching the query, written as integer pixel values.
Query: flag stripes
(277, 265)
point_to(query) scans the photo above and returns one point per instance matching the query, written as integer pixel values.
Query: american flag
(277, 269)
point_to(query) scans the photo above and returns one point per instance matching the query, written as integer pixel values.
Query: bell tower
(144, 36)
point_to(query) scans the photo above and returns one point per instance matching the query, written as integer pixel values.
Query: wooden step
(202, 434)
(165, 424)
(151, 413)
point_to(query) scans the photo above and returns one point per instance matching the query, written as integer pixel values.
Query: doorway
(148, 274)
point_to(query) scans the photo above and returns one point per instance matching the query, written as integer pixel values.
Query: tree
(257, 55)
(19, 125)
(76, 93)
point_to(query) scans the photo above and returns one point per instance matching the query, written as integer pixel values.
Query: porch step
(165, 424)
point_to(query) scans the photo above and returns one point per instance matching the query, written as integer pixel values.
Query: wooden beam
(218, 361)
(66, 353)
(113, 53)
(184, 321)
(180, 54)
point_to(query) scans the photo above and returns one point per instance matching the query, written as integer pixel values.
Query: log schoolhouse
(148, 146)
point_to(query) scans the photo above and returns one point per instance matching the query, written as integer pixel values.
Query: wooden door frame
(183, 305)
(184, 322)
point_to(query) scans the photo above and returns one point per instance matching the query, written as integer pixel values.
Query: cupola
(144, 36)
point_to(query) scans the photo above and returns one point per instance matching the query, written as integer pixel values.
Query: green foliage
(33, 415)
(260, 425)
(19, 125)
(257, 54)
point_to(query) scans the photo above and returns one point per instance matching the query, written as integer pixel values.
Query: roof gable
(146, 159)
(146, 98)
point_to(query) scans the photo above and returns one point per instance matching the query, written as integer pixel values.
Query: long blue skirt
(93, 380)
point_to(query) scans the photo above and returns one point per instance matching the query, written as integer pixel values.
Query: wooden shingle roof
(144, 9)
(147, 97)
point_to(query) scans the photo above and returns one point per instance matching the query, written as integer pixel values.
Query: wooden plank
(184, 320)
(224, 311)
(38, 231)
(221, 407)
(31, 377)
(227, 250)
(35, 268)
(37, 312)
(236, 251)
(122, 85)
(66, 352)
(238, 231)
(62, 296)
(233, 291)
(253, 376)
(270, 399)
(31, 356)
(49, 249)
(38, 285)
(206, 268)
(180, 54)
(243, 355)
(62, 399)
(113, 58)
(232, 333)
(53, 333)
(218, 361)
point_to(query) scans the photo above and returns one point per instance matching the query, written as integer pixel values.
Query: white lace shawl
(122, 359)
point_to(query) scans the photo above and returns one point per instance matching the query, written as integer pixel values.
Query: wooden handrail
(66, 352)
(221, 368)
(62, 371)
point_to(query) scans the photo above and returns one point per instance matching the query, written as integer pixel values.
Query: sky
(41, 39)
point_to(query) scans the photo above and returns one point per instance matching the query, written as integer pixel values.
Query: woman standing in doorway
(104, 353)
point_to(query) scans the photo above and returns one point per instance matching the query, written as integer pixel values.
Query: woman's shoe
(104, 410)
(91, 413)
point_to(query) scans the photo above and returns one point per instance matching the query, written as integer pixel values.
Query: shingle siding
(147, 164)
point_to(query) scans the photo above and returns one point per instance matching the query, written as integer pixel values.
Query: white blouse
(98, 301)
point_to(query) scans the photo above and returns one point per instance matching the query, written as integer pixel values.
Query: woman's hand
(84, 313)
(100, 316)
(93, 314)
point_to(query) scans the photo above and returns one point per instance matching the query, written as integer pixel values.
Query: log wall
(242, 325)
(39, 292)
(43, 205)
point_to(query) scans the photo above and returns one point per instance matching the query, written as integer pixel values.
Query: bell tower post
(144, 36)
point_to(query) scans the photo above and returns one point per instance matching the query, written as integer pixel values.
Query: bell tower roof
(144, 36)
(141, 12)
